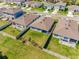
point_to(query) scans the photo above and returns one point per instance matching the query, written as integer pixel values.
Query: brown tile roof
(26, 19)
(44, 23)
(67, 28)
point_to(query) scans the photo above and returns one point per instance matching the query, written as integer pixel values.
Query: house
(25, 20)
(49, 6)
(12, 1)
(43, 24)
(73, 8)
(12, 12)
(34, 4)
(67, 31)
(60, 5)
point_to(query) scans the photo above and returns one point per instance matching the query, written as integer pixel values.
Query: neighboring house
(67, 30)
(60, 5)
(25, 20)
(50, 6)
(12, 12)
(43, 24)
(12, 1)
(34, 4)
(73, 8)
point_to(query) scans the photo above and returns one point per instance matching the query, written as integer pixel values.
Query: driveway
(55, 11)
(29, 8)
(70, 14)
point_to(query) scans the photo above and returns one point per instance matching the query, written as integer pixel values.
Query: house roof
(26, 19)
(60, 4)
(9, 1)
(11, 10)
(33, 3)
(67, 28)
(73, 7)
(43, 23)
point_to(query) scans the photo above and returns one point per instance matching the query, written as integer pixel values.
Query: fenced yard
(3, 22)
(11, 30)
(15, 49)
(37, 37)
(62, 49)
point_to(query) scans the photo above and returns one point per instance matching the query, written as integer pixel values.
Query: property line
(55, 54)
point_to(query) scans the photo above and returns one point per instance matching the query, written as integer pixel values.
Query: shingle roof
(44, 23)
(26, 19)
(67, 28)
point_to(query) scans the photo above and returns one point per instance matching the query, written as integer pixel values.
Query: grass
(3, 22)
(62, 12)
(38, 37)
(50, 11)
(15, 49)
(12, 31)
(62, 49)
(39, 9)
(76, 13)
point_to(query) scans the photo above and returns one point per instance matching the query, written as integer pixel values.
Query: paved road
(55, 54)
(6, 34)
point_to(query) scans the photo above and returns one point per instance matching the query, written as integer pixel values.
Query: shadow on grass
(3, 56)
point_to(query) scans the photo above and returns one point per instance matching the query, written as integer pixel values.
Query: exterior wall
(40, 30)
(66, 41)
(35, 5)
(18, 26)
(62, 7)
(16, 15)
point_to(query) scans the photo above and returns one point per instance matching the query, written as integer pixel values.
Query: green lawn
(15, 49)
(3, 22)
(62, 49)
(39, 9)
(76, 13)
(12, 31)
(62, 12)
(50, 11)
(38, 37)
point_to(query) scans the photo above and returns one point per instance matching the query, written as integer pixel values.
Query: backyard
(62, 49)
(38, 9)
(62, 12)
(38, 37)
(12, 31)
(2, 22)
(15, 49)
